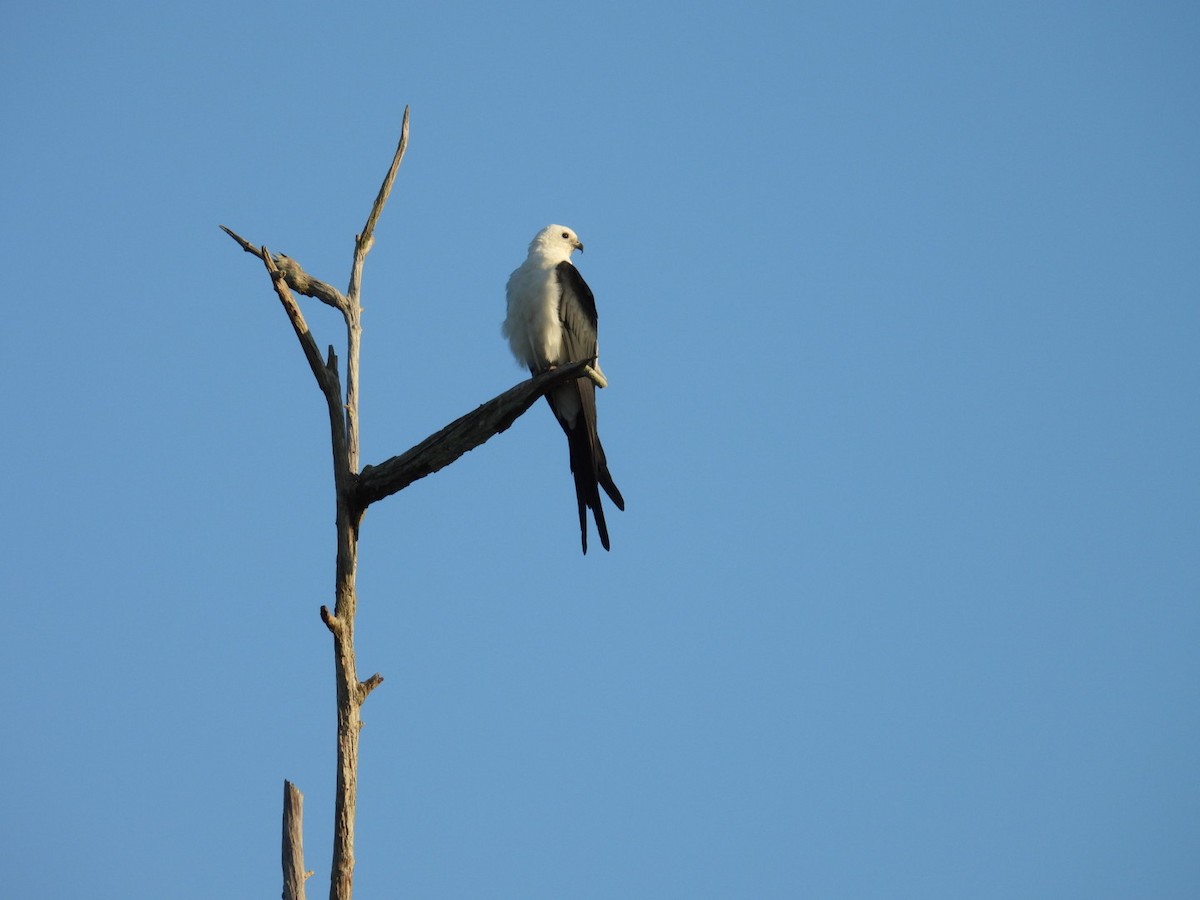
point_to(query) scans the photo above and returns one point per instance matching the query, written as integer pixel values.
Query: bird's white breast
(532, 327)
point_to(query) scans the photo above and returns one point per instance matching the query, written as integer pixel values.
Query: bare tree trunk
(350, 696)
(351, 693)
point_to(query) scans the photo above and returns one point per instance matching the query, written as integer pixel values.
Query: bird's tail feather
(584, 466)
(605, 479)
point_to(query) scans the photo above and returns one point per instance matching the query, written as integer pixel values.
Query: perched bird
(551, 322)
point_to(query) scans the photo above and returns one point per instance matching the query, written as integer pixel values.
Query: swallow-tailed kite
(551, 322)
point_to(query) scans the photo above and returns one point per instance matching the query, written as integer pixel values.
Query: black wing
(577, 312)
(574, 404)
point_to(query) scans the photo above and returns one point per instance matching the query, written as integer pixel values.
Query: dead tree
(357, 489)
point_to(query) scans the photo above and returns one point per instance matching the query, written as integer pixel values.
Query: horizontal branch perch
(460, 436)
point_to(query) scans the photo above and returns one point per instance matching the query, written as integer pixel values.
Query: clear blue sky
(900, 307)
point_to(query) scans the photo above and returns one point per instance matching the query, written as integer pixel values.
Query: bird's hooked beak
(577, 244)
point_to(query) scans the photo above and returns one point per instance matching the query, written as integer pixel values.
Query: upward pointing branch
(363, 241)
(353, 309)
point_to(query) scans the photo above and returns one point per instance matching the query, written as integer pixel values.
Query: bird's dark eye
(566, 235)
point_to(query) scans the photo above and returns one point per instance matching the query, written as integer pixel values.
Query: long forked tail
(587, 490)
(575, 409)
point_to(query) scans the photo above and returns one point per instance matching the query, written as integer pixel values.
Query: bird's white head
(556, 242)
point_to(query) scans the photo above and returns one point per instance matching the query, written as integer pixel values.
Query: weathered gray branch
(364, 241)
(297, 279)
(462, 435)
(293, 843)
(325, 372)
(353, 308)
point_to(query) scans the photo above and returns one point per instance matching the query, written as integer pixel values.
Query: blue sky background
(899, 306)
